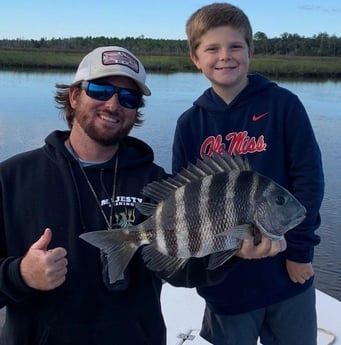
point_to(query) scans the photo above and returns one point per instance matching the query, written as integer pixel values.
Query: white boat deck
(183, 310)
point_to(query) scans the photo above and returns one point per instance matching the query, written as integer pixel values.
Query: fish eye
(280, 200)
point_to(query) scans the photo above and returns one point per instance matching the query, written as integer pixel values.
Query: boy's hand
(299, 272)
(264, 248)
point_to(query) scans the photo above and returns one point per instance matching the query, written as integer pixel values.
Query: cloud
(318, 8)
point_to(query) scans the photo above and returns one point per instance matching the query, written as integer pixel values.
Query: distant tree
(260, 43)
(287, 44)
(259, 36)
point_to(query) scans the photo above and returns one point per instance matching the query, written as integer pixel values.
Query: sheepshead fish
(209, 207)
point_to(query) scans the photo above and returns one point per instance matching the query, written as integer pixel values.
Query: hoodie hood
(211, 102)
(133, 152)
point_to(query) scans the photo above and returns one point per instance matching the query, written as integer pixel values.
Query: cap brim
(143, 87)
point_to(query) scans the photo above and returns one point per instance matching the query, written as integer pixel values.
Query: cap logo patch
(118, 57)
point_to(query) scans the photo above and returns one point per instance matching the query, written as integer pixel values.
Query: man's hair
(215, 15)
(67, 112)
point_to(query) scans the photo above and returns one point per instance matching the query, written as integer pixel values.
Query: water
(28, 114)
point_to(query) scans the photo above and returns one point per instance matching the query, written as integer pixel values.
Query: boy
(271, 298)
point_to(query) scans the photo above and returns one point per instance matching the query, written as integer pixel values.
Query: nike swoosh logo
(258, 117)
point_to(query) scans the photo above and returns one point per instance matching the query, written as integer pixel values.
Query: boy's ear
(195, 61)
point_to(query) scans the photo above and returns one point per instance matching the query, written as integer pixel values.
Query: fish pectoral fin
(217, 259)
(242, 231)
(156, 261)
(117, 251)
(146, 208)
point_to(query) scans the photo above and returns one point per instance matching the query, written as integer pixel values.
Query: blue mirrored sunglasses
(128, 98)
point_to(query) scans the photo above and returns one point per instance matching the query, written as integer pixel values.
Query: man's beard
(109, 140)
(94, 133)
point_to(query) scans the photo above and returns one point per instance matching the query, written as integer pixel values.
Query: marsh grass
(274, 66)
(298, 66)
(39, 59)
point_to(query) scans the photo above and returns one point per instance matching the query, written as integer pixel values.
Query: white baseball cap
(111, 61)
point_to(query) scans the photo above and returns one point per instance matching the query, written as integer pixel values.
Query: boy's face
(224, 58)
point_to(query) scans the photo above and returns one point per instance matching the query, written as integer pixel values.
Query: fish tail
(114, 245)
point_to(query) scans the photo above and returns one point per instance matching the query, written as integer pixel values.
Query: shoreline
(272, 66)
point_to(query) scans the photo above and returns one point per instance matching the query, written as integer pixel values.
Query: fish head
(277, 211)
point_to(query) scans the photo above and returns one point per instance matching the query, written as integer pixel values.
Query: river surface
(28, 113)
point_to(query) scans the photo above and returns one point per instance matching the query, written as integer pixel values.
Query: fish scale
(208, 208)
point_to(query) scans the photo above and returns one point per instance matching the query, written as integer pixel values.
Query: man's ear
(74, 93)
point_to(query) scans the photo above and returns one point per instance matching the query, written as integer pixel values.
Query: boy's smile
(224, 58)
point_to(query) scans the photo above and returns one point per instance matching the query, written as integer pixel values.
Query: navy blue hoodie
(269, 124)
(45, 188)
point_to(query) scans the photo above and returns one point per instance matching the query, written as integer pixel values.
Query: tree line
(287, 44)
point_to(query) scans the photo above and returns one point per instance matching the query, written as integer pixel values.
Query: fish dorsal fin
(226, 162)
(159, 191)
(146, 208)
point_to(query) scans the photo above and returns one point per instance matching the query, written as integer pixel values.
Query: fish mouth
(278, 234)
(268, 234)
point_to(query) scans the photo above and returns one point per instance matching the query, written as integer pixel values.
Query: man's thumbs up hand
(42, 268)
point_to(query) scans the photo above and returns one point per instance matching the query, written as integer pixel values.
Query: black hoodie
(46, 188)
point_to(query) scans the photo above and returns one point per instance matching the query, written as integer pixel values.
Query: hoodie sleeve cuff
(14, 286)
(302, 256)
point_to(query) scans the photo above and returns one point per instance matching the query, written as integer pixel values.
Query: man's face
(105, 122)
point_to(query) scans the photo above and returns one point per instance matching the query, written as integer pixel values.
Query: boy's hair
(215, 15)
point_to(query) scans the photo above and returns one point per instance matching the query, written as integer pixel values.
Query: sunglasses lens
(100, 92)
(127, 98)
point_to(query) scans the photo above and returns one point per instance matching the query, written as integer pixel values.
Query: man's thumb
(44, 240)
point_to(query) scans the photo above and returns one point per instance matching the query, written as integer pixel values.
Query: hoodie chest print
(235, 143)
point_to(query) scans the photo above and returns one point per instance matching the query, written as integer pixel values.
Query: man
(54, 285)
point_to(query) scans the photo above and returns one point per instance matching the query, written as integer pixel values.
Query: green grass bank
(272, 66)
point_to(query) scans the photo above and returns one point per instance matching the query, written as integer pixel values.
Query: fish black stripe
(218, 186)
(255, 184)
(193, 218)
(169, 235)
(244, 190)
(262, 185)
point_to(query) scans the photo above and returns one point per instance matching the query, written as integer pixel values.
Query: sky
(163, 19)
